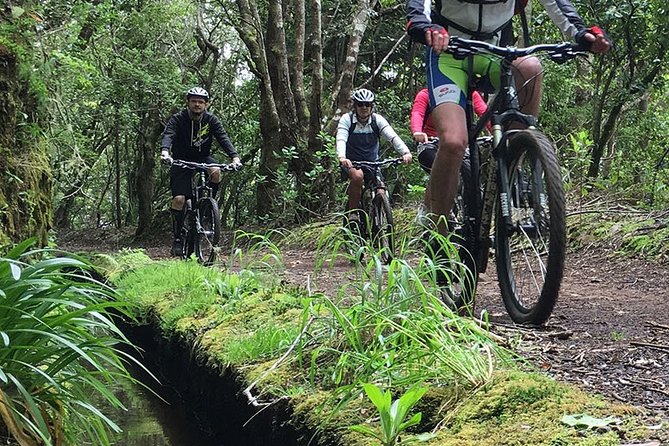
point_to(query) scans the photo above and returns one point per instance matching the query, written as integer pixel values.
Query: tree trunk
(249, 28)
(297, 66)
(117, 181)
(209, 51)
(144, 182)
(603, 140)
(620, 80)
(341, 91)
(277, 52)
(316, 56)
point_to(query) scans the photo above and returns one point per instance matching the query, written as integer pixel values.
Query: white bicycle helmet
(362, 95)
(199, 92)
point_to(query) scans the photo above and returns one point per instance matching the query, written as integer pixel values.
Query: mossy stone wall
(25, 173)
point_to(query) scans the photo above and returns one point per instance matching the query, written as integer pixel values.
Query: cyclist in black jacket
(189, 134)
(448, 78)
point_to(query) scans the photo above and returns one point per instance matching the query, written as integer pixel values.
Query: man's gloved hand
(594, 39)
(165, 157)
(237, 163)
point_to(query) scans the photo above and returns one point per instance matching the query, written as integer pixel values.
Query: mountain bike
(201, 230)
(511, 196)
(375, 216)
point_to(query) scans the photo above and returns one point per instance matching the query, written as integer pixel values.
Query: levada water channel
(204, 405)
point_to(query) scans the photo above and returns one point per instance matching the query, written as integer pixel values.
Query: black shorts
(181, 178)
(427, 152)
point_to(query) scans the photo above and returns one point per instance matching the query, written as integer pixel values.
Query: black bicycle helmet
(362, 95)
(197, 92)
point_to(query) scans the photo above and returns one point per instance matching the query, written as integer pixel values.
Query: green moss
(25, 170)
(252, 328)
(519, 408)
(309, 236)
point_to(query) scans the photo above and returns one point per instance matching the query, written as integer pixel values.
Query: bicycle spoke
(208, 230)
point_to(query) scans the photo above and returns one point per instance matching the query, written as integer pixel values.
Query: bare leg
(529, 77)
(177, 223)
(427, 198)
(214, 180)
(354, 188)
(178, 202)
(452, 129)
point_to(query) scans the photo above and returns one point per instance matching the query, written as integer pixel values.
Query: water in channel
(150, 421)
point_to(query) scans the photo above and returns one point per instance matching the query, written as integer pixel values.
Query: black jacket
(191, 140)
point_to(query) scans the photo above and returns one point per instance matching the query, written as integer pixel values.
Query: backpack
(375, 126)
(520, 6)
(520, 10)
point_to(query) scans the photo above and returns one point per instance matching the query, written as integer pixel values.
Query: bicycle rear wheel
(530, 252)
(209, 231)
(461, 287)
(382, 227)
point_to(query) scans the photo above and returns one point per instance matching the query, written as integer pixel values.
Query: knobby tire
(530, 256)
(208, 238)
(464, 233)
(383, 227)
(190, 232)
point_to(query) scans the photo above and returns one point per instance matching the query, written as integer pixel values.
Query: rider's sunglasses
(365, 104)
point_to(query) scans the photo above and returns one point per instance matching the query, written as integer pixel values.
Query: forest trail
(609, 332)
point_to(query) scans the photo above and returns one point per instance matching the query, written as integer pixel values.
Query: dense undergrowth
(387, 328)
(622, 231)
(61, 350)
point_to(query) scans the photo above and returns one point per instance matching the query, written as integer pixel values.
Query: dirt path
(609, 332)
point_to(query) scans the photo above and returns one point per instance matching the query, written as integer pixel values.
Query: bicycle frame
(512, 182)
(504, 111)
(376, 220)
(370, 186)
(200, 205)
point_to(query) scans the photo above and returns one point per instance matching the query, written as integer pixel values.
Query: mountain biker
(189, 134)
(424, 134)
(358, 137)
(447, 77)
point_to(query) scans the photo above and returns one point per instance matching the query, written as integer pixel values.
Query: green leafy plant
(585, 421)
(392, 414)
(392, 324)
(617, 335)
(60, 347)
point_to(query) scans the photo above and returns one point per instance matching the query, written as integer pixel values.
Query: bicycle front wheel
(209, 231)
(530, 251)
(189, 231)
(382, 227)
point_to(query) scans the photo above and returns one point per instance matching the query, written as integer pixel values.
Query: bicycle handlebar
(195, 166)
(435, 140)
(384, 163)
(557, 52)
